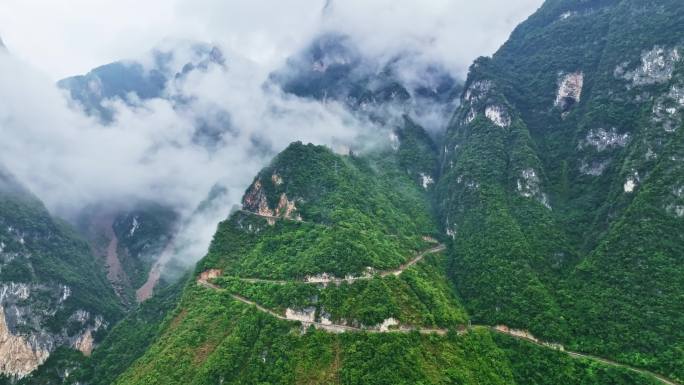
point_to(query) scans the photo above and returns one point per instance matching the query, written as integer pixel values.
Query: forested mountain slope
(53, 292)
(310, 218)
(562, 178)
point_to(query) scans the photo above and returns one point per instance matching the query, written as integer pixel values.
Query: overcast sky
(67, 37)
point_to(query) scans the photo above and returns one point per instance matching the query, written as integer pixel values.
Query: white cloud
(148, 152)
(71, 160)
(451, 32)
(69, 37)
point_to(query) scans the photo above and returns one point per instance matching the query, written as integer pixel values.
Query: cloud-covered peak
(332, 67)
(144, 78)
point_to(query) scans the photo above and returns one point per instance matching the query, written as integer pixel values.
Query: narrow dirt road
(325, 279)
(658, 377)
(330, 327)
(416, 259)
(336, 328)
(604, 361)
(273, 217)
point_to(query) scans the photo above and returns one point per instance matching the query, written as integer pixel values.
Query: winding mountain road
(604, 361)
(338, 328)
(272, 217)
(325, 279)
(330, 327)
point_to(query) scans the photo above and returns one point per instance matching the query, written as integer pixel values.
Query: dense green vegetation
(630, 287)
(324, 184)
(293, 250)
(497, 265)
(599, 269)
(212, 338)
(356, 214)
(417, 152)
(534, 365)
(131, 337)
(47, 251)
(421, 296)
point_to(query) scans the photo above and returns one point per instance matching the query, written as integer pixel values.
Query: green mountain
(562, 181)
(540, 242)
(559, 197)
(332, 274)
(53, 292)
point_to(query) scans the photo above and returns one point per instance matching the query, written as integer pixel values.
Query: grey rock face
(657, 66)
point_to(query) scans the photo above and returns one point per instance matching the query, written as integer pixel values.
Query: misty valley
(359, 192)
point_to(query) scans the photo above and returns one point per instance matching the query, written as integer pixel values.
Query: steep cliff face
(28, 325)
(19, 356)
(567, 144)
(52, 290)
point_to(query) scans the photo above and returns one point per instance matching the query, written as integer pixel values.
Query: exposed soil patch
(115, 272)
(147, 289)
(105, 244)
(204, 351)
